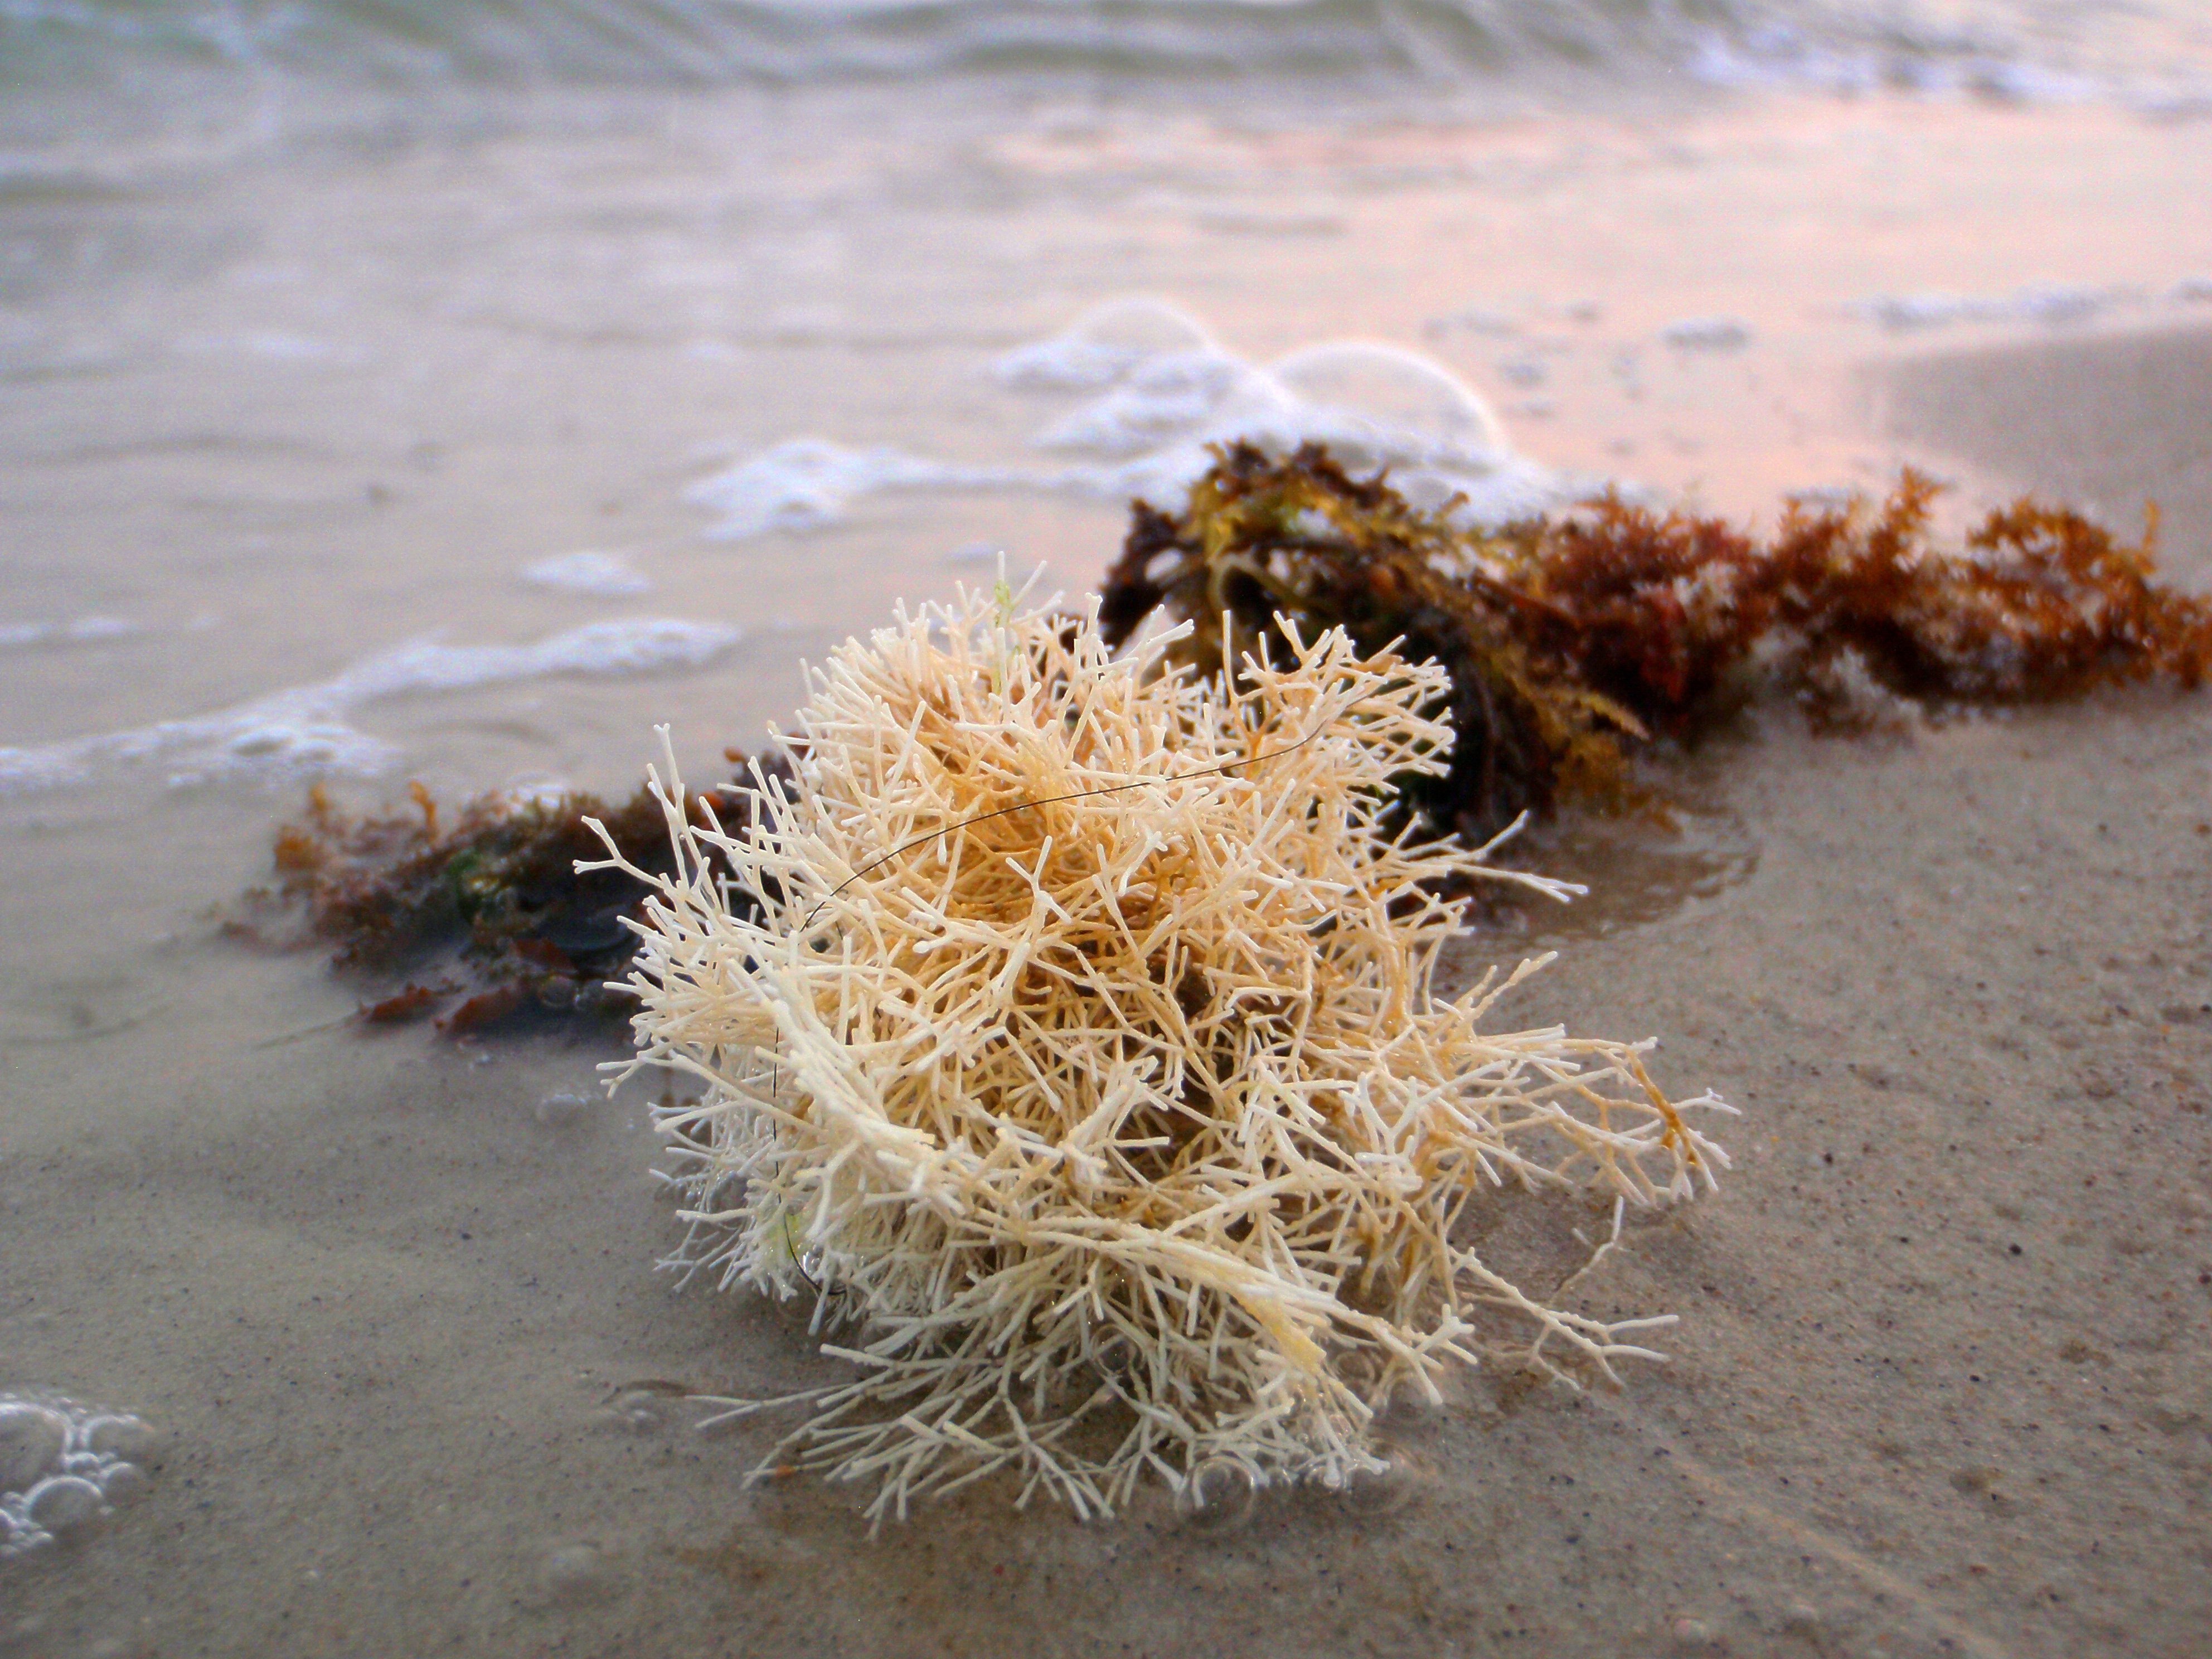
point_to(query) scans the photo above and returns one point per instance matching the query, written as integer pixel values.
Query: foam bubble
(1219, 1496)
(1707, 334)
(562, 1110)
(33, 1439)
(1107, 342)
(576, 1572)
(604, 575)
(63, 1501)
(803, 483)
(125, 1483)
(302, 730)
(63, 1465)
(2050, 303)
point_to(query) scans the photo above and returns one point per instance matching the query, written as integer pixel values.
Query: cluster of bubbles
(64, 1465)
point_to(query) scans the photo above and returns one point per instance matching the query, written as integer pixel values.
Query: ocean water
(396, 391)
(2009, 48)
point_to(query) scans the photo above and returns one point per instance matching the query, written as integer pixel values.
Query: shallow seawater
(378, 407)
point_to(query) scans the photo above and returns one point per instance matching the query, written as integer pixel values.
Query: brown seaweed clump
(1572, 640)
(486, 919)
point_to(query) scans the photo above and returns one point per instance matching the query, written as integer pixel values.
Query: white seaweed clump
(1083, 1061)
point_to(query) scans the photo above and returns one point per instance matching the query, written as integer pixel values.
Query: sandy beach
(1939, 1380)
(1939, 1385)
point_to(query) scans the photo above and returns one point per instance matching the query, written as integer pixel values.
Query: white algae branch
(1084, 1065)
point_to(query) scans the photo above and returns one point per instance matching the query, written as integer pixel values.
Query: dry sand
(1940, 1384)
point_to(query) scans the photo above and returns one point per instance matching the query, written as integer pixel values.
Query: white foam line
(1159, 393)
(2054, 303)
(603, 575)
(303, 731)
(78, 630)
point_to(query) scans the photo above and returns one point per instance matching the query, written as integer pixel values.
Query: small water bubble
(1401, 1480)
(576, 1572)
(562, 1110)
(1802, 1619)
(61, 1465)
(117, 1435)
(31, 1441)
(63, 1501)
(125, 1483)
(1116, 1357)
(641, 1411)
(1219, 1496)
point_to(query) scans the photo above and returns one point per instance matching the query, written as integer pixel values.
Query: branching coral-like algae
(1083, 1061)
(1571, 640)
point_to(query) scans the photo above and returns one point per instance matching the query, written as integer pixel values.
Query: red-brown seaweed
(1573, 641)
(486, 919)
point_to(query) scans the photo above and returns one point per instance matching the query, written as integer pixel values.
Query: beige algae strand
(1082, 1059)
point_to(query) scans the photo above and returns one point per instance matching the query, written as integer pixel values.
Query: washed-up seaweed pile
(1085, 1067)
(484, 920)
(1573, 641)
(1570, 645)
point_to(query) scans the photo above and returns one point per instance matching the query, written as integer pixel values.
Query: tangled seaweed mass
(1572, 640)
(487, 918)
(1083, 1063)
(1569, 642)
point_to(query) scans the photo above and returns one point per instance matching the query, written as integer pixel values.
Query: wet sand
(1940, 1384)
(2106, 424)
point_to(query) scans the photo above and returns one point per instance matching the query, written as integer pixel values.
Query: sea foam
(64, 1465)
(803, 483)
(303, 731)
(76, 630)
(1156, 390)
(2055, 304)
(604, 575)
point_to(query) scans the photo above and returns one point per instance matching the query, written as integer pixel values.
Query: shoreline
(2041, 415)
(1937, 1385)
